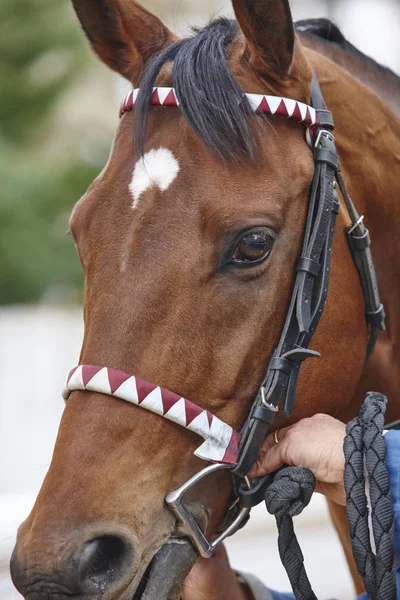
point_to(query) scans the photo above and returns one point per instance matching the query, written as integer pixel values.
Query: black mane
(210, 98)
(328, 32)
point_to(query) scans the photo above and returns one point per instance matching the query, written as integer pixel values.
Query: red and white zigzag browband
(271, 105)
(221, 441)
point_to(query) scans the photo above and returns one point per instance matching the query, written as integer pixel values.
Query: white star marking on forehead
(156, 168)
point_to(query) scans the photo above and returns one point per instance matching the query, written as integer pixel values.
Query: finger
(206, 569)
(271, 460)
(265, 459)
(270, 441)
(207, 577)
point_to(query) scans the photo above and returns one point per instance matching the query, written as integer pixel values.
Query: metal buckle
(271, 407)
(323, 132)
(355, 225)
(190, 526)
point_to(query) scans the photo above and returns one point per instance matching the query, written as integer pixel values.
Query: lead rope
(287, 497)
(364, 450)
(292, 488)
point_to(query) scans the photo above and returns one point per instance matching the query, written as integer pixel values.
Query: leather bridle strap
(360, 246)
(359, 240)
(309, 294)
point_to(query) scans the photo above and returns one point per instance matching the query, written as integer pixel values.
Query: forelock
(210, 99)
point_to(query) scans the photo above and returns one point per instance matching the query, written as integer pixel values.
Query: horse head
(188, 241)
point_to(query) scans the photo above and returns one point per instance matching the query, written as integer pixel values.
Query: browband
(221, 441)
(271, 105)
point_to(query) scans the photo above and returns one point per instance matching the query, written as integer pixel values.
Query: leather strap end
(377, 318)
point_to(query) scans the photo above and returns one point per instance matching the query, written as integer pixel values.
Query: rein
(225, 447)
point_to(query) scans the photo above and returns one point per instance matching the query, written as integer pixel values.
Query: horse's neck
(383, 82)
(368, 140)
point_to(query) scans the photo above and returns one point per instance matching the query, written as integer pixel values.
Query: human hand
(315, 443)
(213, 579)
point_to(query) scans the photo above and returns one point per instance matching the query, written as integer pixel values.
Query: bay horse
(188, 241)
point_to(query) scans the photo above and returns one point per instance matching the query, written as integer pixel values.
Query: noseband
(225, 447)
(221, 441)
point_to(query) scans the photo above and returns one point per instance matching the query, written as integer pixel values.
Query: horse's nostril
(98, 567)
(102, 559)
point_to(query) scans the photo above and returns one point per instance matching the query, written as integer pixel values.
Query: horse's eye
(254, 247)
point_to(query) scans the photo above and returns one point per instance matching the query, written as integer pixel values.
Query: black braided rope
(287, 496)
(364, 450)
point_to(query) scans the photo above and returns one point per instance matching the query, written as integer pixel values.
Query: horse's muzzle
(98, 568)
(103, 568)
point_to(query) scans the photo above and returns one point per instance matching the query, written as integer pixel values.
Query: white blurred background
(40, 335)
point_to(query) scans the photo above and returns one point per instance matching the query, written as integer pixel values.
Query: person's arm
(392, 440)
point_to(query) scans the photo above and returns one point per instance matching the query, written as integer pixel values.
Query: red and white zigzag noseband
(271, 105)
(221, 441)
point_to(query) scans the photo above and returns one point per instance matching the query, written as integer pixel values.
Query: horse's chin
(167, 571)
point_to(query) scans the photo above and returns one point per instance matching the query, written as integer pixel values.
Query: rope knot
(290, 492)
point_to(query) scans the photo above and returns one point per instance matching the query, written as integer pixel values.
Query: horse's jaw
(167, 571)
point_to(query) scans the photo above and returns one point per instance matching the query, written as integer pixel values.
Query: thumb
(270, 459)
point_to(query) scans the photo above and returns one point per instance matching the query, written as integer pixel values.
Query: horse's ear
(122, 33)
(269, 31)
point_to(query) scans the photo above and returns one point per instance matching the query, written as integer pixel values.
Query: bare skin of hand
(213, 579)
(315, 443)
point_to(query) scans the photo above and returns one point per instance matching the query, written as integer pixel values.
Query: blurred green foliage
(42, 52)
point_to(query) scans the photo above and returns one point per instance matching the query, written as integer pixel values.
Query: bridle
(225, 447)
